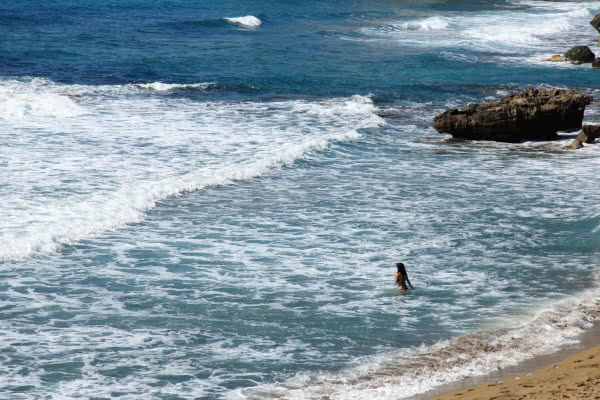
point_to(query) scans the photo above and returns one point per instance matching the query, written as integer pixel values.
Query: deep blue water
(206, 201)
(313, 47)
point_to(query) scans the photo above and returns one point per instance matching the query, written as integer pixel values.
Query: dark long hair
(401, 268)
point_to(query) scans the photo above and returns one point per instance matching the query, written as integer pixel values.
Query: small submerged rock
(596, 63)
(595, 22)
(556, 58)
(534, 114)
(588, 134)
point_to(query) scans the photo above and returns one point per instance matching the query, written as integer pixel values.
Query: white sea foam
(524, 30)
(539, 29)
(27, 101)
(427, 24)
(109, 166)
(163, 87)
(249, 21)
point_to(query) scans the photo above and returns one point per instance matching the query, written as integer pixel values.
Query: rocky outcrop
(596, 63)
(588, 134)
(534, 114)
(580, 55)
(595, 22)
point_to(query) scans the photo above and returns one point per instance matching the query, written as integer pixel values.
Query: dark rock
(595, 22)
(596, 63)
(534, 114)
(580, 55)
(588, 134)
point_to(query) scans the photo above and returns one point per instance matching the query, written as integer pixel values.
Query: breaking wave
(249, 21)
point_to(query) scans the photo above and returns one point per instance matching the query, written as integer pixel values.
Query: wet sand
(567, 374)
(576, 377)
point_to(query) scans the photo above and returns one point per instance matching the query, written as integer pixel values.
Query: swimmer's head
(401, 268)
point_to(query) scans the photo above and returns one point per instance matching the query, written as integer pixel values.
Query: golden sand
(576, 377)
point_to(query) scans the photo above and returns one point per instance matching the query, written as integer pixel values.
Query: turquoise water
(207, 201)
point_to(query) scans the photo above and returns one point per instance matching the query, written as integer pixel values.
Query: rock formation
(595, 22)
(588, 134)
(580, 55)
(534, 114)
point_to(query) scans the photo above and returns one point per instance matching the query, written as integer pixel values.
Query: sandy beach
(575, 377)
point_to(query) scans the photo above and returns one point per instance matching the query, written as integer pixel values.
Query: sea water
(206, 200)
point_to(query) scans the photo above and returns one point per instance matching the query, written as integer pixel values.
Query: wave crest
(249, 21)
(127, 152)
(23, 101)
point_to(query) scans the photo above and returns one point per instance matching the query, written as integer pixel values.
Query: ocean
(206, 200)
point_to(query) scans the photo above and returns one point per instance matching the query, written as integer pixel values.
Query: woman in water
(402, 278)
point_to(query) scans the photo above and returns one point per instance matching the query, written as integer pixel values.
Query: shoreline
(539, 372)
